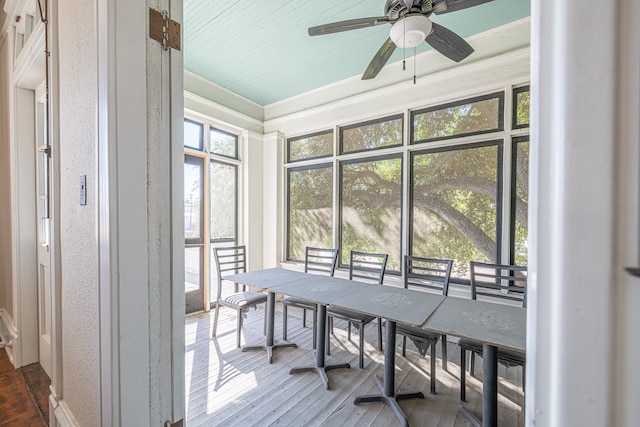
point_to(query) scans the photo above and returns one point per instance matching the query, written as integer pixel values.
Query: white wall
(252, 203)
(78, 237)
(213, 100)
(272, 196)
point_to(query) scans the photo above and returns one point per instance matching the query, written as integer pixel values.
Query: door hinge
(179, 423)
(164, 30)
(634, 271)
(45, 149)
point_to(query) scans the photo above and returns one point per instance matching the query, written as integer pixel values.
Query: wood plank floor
(226, 387)
(18, 406)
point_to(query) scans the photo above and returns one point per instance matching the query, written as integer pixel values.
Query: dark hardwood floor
(18, 391)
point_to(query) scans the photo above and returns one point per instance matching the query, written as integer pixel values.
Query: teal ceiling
(261, 50)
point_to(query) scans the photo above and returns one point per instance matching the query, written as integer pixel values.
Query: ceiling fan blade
(379, 60)
(351, 24)
(448, 43)
(447, 6)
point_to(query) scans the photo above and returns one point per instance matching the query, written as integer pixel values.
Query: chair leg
(361, 352)
(433, 367)
(404, 346)
(472, 366)
(444, 352)
(315, 327)
(215, 319)
(349, 331)
(524, 376)
(264, 321)
(284, 322)
(327, 341)
(463, 373)
(379, 334)
(304, 317)
(239, 328)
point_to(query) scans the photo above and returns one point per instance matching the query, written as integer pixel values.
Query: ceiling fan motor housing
(396, 9)
(410, 31)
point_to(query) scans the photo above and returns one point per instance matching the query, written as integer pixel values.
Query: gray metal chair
(494, 282)
(432, 274)
(316, 260)
(232, 260)
(368, 267)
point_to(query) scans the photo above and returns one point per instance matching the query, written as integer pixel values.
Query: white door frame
(54, 222)
(142, 366)
(42, 227)
(584, 214)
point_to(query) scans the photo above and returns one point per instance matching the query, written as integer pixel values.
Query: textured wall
(6, 294)
(78, 88)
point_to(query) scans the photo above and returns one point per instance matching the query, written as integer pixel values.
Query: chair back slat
(427, 273)
(321, 260)
(499, 281)
(368, 266)
(232, 260)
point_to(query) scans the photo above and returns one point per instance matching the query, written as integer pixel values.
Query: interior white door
(43, 234)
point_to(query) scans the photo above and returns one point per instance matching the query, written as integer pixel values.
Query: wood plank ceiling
(261, 50)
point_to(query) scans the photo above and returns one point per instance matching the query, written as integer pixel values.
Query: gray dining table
(493, 325)
(322, 290)
(395, 305)
(268, 279)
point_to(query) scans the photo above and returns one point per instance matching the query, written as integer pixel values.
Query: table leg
(387, 387)
(269, 347)
(489, 390)
(320, 368)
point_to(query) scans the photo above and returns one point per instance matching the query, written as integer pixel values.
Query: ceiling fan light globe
(410, 31)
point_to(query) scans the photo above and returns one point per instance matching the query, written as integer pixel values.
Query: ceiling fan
(410, 26)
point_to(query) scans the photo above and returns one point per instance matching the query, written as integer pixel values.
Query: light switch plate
(83, 190)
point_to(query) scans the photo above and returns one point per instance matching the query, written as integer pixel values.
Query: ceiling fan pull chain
(404, 54)
(414, 65)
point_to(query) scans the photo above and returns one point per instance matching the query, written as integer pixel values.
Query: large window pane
(310, 146)
(193, 175)
(473, 116)
(455, 205)
(223, 200)
(371, 208)
(310, 214)
(381, 133)
(223, 143)
(521, 107)
(192, 135)
(520, 202)
(193, 232)
(192, 268)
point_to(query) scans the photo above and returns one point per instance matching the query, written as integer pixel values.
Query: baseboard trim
(61, 416)
(8, 334)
